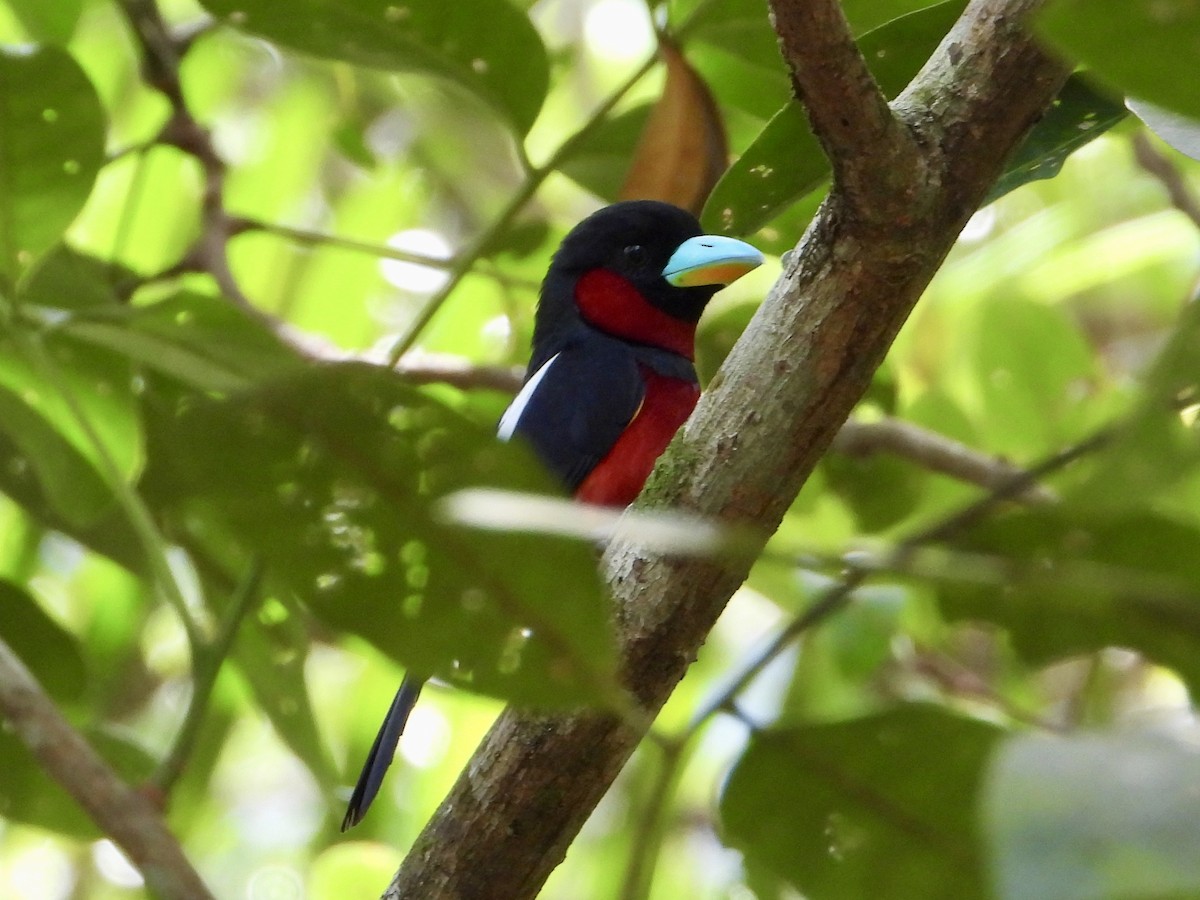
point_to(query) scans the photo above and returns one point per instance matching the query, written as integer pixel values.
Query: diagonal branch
(120, 812)
(805, 360)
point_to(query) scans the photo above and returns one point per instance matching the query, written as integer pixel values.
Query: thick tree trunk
(907, 177)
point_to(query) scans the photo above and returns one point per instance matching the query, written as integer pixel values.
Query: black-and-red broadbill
(611, 376)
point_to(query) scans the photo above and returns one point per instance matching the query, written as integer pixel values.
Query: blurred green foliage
(201, 258)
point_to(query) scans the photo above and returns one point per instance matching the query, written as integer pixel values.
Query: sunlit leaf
(488, 46)
(741, 84)
(331, 476)
(1094, 816)
(877, 807)
(51, 147)
(56, 410)
(109, 534)
(1147, 48)
(51, 23)
(1029, 365)
(740, 27)
(65, 474)
(682, 151)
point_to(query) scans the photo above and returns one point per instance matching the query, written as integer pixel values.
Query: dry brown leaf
(682, 151)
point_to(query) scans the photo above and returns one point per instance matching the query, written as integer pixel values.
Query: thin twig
(125, 815)
(837, 595)
(161, 53)
(206, 666)
(650, 827)
(934, 452)
(1158, 165)
(438, 368)
(384, 251)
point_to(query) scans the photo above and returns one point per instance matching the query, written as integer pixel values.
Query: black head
(635, 239)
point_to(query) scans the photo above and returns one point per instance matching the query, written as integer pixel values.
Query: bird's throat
(610, 303)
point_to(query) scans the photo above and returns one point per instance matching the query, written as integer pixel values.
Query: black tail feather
(382, 750)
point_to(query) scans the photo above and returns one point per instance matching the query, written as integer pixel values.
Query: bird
(611, 375)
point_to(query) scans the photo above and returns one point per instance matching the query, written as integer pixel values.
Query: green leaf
(49, 651)
(1094, 816)
(45, 425)
(878, 807)
(740, 27)
(1156, 447)
(866, 15)
(786, 162)
(1078, 115)
(1179, 132)
(110, 534)
(65, 279)
(332, 476)
(880, 489)
(51, 23)
(51, 148)
(1147, 48)
(201, 341)
(488, 46)
(1065, 582)
(743, 84)
(68, 478)
(1028, 365)
(599, 162)
(271, 651)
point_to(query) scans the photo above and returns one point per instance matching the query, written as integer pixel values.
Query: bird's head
(639, 270)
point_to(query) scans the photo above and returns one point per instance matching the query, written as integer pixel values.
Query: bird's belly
(618, 478)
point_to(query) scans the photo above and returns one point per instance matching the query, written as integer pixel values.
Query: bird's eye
(635, 254)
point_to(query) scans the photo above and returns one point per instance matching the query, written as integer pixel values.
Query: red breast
(618, 478)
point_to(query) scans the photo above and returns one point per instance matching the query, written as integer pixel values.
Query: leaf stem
(207, 661)
(136, 511)
(651, 827)
(307, 237)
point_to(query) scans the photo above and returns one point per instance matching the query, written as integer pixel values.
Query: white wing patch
(512, 415)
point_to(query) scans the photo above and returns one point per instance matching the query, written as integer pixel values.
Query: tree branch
(120, 812)
(934, 452)
(420, 367)
(1156, 163)
(867, 145)
(790, 382)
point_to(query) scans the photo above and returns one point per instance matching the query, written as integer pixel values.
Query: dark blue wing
(574, 408)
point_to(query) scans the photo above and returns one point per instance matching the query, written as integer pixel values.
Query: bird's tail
(382, 750)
